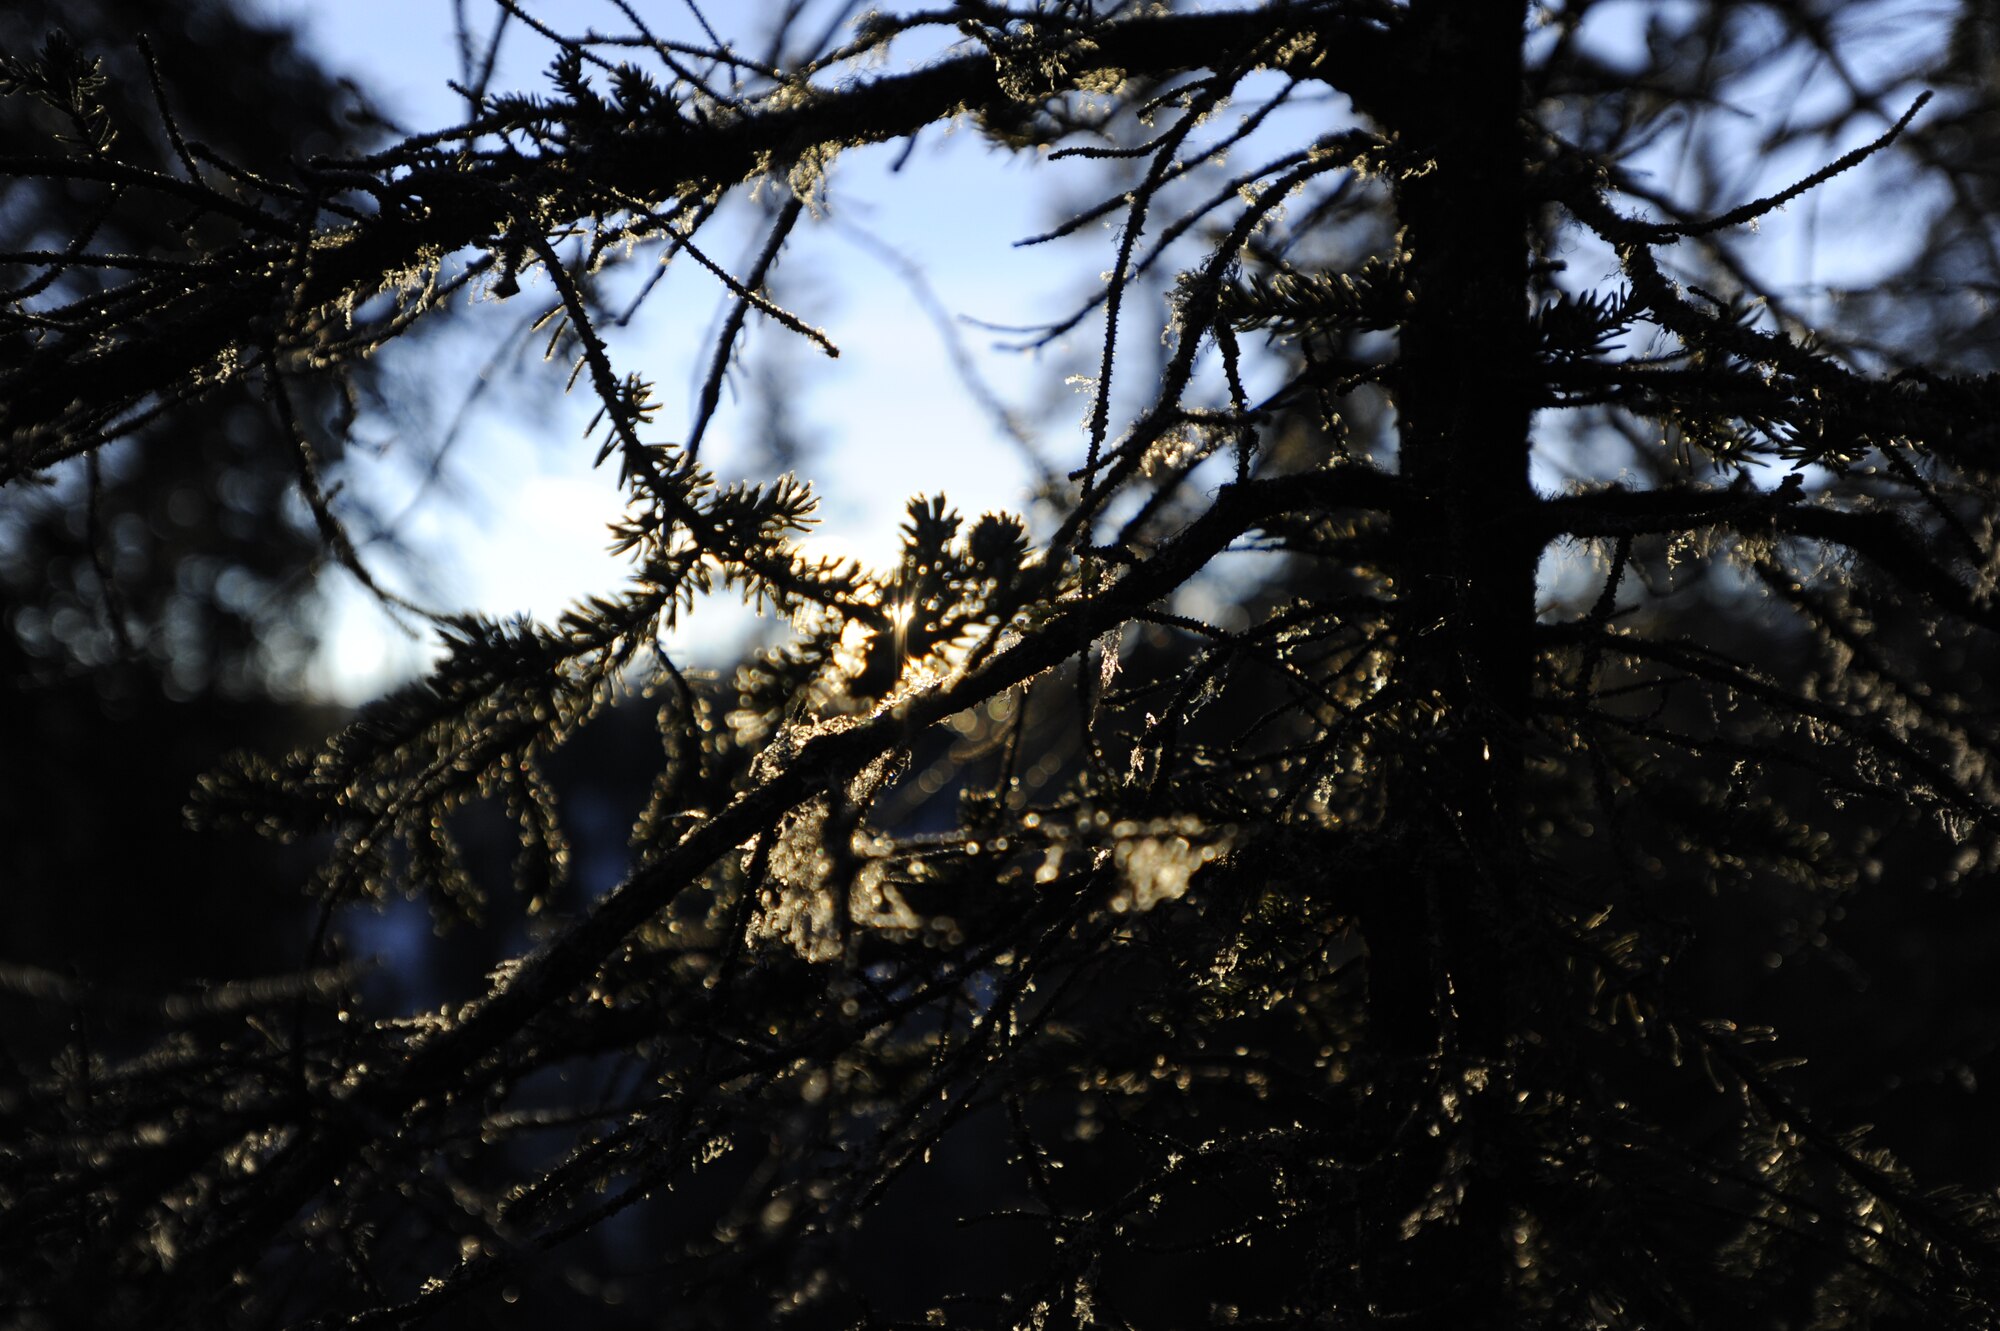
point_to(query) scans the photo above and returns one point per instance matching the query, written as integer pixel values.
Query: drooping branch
(835, 757)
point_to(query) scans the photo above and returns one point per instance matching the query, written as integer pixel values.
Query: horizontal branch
(1886, 541)
(441, 210)
(16, 166)
(1879, 538)
(1617, 511)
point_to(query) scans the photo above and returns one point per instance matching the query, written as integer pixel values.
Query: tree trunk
(1466, 609)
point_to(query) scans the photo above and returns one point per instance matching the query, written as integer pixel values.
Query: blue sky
(889, 420)
(522, 528)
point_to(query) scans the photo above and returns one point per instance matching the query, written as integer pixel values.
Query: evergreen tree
(1371, 961)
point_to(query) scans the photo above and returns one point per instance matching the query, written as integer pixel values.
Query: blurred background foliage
(157, 607)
